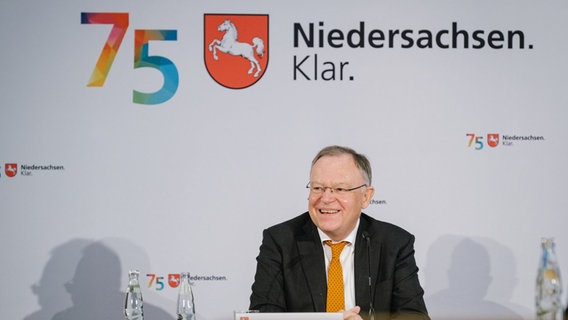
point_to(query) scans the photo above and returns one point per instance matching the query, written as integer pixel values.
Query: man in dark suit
(378, 267)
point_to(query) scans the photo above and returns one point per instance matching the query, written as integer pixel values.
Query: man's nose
(328, 195)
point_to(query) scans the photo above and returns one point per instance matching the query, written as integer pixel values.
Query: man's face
(337, 214)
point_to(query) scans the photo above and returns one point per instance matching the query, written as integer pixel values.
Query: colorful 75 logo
(475, 140)
(142, 58)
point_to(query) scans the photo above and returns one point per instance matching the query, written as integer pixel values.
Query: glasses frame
(335, 191)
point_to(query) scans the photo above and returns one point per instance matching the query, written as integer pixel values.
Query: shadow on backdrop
(468, 280)
(94, 286)
(50, 291)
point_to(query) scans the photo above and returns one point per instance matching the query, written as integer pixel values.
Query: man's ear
(368, 196)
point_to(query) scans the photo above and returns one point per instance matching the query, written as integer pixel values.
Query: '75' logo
(476, 141)
(158, 281)
(225, 73)
(142, 59)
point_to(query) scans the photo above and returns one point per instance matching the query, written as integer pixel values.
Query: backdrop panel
(145, 155)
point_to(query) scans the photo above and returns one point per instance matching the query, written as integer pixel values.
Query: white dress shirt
(347, 259)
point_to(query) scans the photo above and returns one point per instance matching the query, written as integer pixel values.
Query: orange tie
(335, 292)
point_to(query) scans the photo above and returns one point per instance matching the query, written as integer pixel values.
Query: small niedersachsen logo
(11, 169)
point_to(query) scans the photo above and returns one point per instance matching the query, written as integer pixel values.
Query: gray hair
(361, 160)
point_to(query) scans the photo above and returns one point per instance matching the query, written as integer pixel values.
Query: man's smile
(328, 211)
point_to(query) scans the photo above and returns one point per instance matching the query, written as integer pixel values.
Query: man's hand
(352, 314)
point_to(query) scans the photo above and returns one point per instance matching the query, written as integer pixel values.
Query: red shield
(235, 48)
(493, 139)
(173, 280)
(11, 169)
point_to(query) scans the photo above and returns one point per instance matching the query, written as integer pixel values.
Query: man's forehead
(346, 166)
(342, 157)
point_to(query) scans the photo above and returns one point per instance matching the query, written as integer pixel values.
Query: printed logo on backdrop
(11, 169)
(314, 41)
(235, 48)
(158, 282)
(494, 140)
(174, 279)
(378, 202)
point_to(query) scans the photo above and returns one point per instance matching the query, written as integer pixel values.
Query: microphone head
(366, 235)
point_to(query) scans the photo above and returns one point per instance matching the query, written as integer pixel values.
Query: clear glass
(133, 304)
(185, 303)
(548, 284)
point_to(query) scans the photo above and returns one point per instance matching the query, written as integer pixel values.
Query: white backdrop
(104, 184)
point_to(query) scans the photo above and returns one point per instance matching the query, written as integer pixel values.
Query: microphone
(367, 237)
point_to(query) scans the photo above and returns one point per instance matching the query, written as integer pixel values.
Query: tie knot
(336, 248)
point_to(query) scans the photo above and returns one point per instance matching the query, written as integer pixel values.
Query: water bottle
(548, 284)
(133, 305)
(185, 303)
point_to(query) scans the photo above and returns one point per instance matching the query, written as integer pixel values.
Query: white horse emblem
(230, 45)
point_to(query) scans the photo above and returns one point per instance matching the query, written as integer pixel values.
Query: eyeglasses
(317, 189)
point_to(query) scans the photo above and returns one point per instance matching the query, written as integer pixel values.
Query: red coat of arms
(493, 139)
(173, 280)
(236, 48)
(11, 169)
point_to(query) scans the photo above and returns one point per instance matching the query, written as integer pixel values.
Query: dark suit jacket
(290, 274)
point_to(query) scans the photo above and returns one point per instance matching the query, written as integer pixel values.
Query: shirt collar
(350, 238)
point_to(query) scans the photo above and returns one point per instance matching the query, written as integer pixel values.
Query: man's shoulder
(383, 229)
(292, 226)
(298, 221)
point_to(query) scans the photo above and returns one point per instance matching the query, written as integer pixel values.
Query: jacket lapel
(362, 266)
(313, 264)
